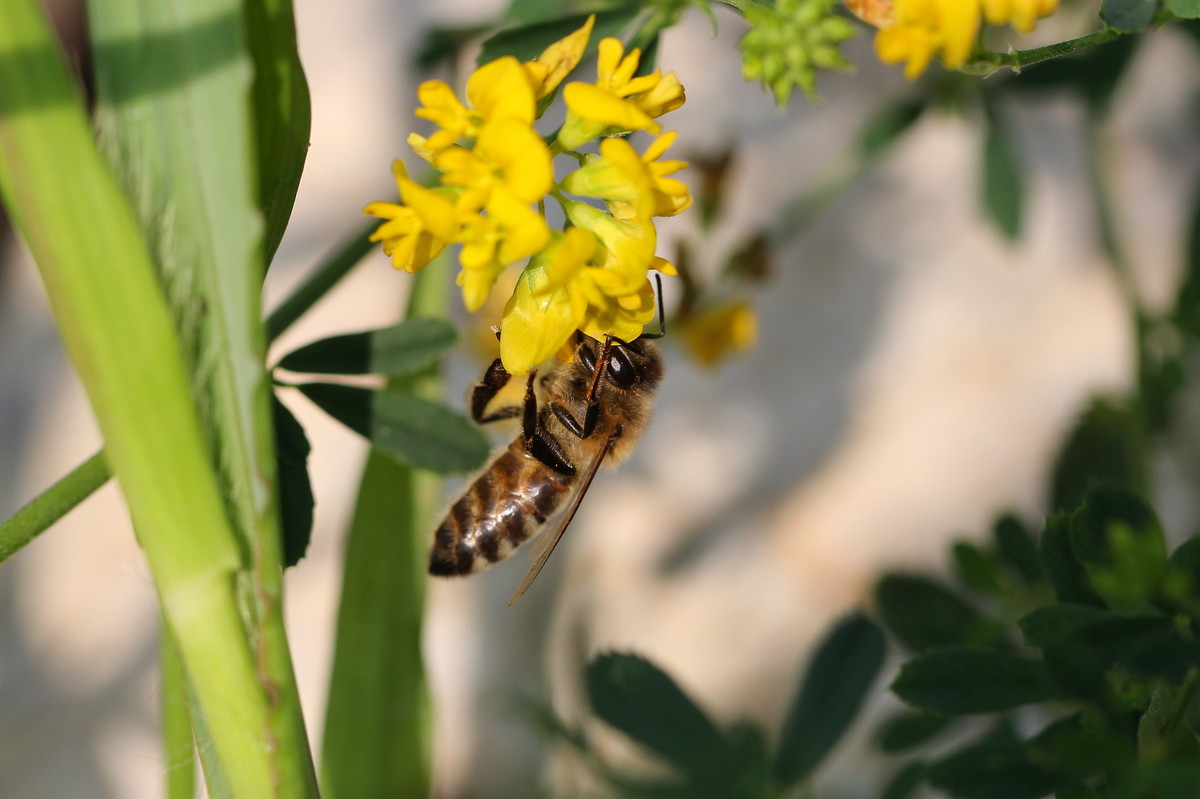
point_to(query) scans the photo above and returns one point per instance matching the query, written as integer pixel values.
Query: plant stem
(1016, 60)
(320, 281)
(48, 507)
(375, 741)
(110, 310)
(52, 504)
(179, 751)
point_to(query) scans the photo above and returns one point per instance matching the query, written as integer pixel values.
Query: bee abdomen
(502, 509)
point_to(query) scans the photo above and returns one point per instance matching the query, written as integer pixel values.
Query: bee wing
(550, 541)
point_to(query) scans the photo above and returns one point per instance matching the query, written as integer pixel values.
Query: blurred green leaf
(905, 781)
(1078, 746)
(1076, 791)
(1052, 623)
(1185, 560)
(1116, 536)
(409, 428)
(907, 729)
(400, 349)
(282, 113)
(1157, 780)
(1184, 9)
(1018, 546)
(996, 766)
(960, 681)
(527, 41)
(1003, 181)
(975, 568)
(1063, 569)
(295, 489)
(634, 696)
(923, 613)
(838, 678)
(1105, 448)
(1128, 15)
(1187, 302)
(887, 125)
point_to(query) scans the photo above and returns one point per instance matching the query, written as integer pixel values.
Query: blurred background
(915, 373)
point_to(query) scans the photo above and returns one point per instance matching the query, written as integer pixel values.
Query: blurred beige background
(914, 377)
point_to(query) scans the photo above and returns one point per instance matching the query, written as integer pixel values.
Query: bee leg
(494, 379)
(537, 440)
(590, 399)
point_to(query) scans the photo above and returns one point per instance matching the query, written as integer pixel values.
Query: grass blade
(375, 742)
(116, 328)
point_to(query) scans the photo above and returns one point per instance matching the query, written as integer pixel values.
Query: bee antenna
(662, 316)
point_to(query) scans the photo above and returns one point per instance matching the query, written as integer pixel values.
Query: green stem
(60, 498)
(110, 310)
(375, 739)
(1016, 60)
(179, 752)
(322, 279)
(52, 504)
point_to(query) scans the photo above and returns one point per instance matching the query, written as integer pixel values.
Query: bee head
(636, 364)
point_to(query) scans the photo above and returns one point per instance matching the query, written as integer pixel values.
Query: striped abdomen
(502, 508)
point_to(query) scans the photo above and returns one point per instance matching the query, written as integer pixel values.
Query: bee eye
(621, 370)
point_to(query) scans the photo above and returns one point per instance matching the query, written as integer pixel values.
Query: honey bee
(592, 411)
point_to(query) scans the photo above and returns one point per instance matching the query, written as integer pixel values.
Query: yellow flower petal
(557, 60)
(501, 89)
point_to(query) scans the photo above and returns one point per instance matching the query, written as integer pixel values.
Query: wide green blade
(111, 313)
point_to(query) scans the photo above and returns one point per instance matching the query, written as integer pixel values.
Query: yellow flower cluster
(913, 31)
(496, 172)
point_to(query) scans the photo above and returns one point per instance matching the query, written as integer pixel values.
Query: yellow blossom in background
(914, 31)
(619, 100)
(713, 335)
(1021, 14)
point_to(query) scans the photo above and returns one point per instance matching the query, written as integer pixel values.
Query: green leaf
(295, 489)
(1053, 623)
(905, 781)
(922, 613)
(409, 428)
(1117, 537)
(887, 125)
(1019, 548)
(397, 350)
(1076, 791)
(1104, 448)
(634, 696)
(908, 729)
(960, 681)
(1184, 9)
(1003, 181)
(282, 113)
(107, 296)
(996, 766)
(527, 41)
(837, 681)
(1187, 302)
(1063, 569)
(1128, 15)
(377, 720)
(975, 568)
